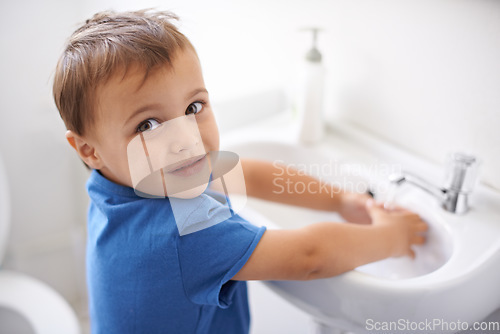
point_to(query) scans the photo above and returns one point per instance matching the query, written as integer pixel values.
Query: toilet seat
(46, 310)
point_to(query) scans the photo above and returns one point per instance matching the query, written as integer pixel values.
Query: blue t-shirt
(143, 277)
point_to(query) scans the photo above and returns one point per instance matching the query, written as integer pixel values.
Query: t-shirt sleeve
(209, 258)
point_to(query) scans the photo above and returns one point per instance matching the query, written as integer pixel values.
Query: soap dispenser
(310, 101)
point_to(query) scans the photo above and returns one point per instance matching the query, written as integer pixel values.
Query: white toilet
(27, 305)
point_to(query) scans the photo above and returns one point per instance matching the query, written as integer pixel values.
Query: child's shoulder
(114, 202)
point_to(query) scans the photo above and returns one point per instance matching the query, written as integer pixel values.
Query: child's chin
(190, 193)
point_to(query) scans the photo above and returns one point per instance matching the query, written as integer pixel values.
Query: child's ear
(85, 150)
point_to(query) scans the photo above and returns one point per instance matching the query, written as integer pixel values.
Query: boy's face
(127, 105)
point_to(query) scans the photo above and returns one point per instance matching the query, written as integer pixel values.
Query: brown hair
(106, 42)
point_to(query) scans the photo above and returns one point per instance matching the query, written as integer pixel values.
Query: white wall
(422, 74)
(47, 218)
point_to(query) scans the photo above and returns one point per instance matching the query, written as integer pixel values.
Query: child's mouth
(189, 167)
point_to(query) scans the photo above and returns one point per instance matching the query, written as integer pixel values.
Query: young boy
(122, 75)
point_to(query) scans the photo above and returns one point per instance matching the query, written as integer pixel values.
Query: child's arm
(323, 249)
(285, 185)
(328, 249)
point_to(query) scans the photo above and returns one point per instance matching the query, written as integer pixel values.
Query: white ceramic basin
(430, 256)
(454, 278)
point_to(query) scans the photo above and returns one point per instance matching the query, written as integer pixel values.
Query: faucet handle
(461, 172)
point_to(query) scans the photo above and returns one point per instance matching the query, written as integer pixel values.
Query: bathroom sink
(430, 257)
(453, 279)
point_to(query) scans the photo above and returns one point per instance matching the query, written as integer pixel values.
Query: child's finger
(395, 208)
(371, 204)
(418, 240)
(422, 227)
(374, 209)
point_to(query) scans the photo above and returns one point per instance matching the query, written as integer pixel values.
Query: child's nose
(185, 135)
(183, 142)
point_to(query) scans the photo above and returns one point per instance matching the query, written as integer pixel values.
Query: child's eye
(194, 108)
(148, 125)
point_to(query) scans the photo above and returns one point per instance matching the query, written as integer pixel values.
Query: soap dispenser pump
(310, 102)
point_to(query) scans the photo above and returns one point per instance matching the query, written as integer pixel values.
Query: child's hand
(353, 207)
(403, 228)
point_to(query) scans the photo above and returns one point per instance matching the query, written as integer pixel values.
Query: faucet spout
(460, 179)
(400, 179)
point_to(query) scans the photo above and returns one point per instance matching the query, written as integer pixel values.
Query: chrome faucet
(459, 182)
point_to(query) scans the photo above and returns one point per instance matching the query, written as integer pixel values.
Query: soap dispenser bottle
(310, 101)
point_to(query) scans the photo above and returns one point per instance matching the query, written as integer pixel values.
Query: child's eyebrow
(141, 110)
(196, 91)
